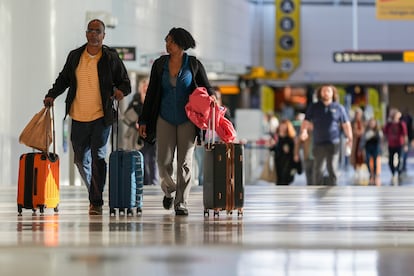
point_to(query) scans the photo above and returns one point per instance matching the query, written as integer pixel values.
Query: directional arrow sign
(287, 36)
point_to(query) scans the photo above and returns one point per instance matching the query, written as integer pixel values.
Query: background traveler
(395, 132)
(284, 153)
(371, 141)
(135, 142)
(328, 119)
(408, 119)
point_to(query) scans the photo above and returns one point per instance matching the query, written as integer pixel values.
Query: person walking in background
(357, 152)
(307, 156)
(131, 115)
(371, 141)
(395, 131)
(328, 119)
(135, 142)
(95, 76)
(408, 119)
(173, 78)
(284, 151)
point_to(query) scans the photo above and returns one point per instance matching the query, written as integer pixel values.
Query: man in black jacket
(95, 76)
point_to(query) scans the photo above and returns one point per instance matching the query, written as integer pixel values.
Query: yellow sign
(287, 43)
(395, 9)
(408, 56)
(267, 99)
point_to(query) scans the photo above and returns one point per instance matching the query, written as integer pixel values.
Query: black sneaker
(167, 202)
(181, 210)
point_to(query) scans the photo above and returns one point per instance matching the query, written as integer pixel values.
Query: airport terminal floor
(291, 230)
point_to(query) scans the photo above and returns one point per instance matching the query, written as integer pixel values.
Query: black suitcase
(223, 187)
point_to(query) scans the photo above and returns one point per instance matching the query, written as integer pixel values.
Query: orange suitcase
(38, 182)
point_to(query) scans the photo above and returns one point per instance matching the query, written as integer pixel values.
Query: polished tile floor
(292, 230)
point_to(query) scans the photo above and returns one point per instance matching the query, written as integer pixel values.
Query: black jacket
(152, 103)
(112, 74)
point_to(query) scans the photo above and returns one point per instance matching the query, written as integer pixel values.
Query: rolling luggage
(126, 179)
(223, 187)
(38, 180)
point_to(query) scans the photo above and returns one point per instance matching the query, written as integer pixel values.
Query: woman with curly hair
(284, 149)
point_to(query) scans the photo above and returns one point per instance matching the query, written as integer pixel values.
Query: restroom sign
(287, 42)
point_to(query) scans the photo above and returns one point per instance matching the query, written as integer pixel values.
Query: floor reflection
(284, 231)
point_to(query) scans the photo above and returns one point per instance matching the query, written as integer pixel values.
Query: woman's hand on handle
(143, 131)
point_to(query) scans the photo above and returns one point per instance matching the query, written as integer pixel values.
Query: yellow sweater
(87, 105)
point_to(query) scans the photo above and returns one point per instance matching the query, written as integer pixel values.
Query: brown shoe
(95, 210)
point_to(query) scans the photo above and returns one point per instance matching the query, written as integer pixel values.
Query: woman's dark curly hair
(182, 38)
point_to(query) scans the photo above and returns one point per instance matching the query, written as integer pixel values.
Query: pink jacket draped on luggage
(199, 110)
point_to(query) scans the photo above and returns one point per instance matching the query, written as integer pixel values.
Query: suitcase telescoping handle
(211, 126)
(52, 118)
(115, 132)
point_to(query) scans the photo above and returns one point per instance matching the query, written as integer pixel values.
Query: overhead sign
(395, 9)
(126, 53)
(372, 56)
(287, 44)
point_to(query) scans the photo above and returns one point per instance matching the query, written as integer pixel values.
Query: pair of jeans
(89, 141)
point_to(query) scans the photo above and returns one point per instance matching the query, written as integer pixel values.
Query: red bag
(225, 130)
(201, 107)
(198, 107)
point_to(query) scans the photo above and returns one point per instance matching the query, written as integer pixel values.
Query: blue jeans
(89, 141)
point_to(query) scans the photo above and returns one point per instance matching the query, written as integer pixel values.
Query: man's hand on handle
(48, 101)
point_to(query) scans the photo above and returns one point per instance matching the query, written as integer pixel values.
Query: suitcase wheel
(112, 212)
(19, 209)
(240, 212)
(229, 212)
(56, 209)
(139, 211)
(216, 213)
(42, 209)
(122, 211)
(206, 213)
(129, 212)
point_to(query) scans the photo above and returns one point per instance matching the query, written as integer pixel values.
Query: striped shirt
(87, 105)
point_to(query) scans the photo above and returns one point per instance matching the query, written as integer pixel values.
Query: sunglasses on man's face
(96, 31)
